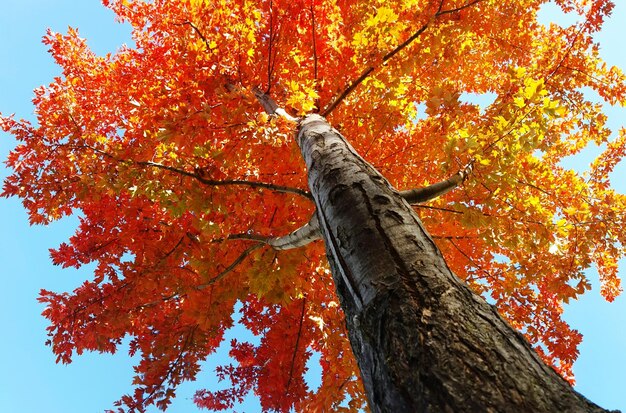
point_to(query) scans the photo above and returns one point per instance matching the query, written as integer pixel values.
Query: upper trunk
(423, 340)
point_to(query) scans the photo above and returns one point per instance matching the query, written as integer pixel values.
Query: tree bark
(424, 342)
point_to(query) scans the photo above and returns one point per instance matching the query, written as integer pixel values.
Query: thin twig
(200, 178)
(248, 237)
(270, 106)
(198, 32)
(391, 54)
(438, 209)
(449, 237)
(269, 51)
(213, 280)
(567, 52)
(232, 266)
(166, 377)
(170, 252)
(347, 91)
(295, 350)
(271, 60)
(465, 6)
(470, 259)
(241, 182)
(405, 43)
(313, 36)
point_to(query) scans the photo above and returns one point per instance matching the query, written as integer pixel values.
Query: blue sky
(32, 382)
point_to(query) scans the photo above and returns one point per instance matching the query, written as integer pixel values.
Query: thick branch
(310, 231)
(416, 196)
(304, 235)
(264, 99)
(270, 106)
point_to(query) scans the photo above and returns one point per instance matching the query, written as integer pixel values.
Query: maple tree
(183, 156)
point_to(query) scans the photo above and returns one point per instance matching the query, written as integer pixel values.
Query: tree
(186, 187)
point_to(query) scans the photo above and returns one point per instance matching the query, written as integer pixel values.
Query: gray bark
(310, 231)
(424, 342)
(418, 195)
(307, 233)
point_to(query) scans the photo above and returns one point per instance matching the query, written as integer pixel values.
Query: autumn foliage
(174, 168)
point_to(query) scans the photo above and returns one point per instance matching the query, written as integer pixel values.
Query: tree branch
(270, 62)
(156, 388)
(347, 91)
(389, 55)
(270, 106)
(302, 236)
(310, 231)
(198, 32)
(313, 35)
(450, 11)
(452, 211)
(231, 267)
(245, 237)
(295, 349)
(314, 44)
(241, 182)
(206, 181)
(471, 260)
(260, 241)
(266, 101)
(419, 195)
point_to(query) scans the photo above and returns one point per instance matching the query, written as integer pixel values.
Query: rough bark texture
(423, 341)
(418, 195)
(309, 232)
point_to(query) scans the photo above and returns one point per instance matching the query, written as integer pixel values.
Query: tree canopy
(180, 178)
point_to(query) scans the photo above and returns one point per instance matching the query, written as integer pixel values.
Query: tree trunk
(423, 340)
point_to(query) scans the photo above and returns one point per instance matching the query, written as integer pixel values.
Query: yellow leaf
(483, 161)
(359, 39)
(534, 201)
(383, 15)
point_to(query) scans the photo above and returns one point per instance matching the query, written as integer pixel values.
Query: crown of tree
(192, 198)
